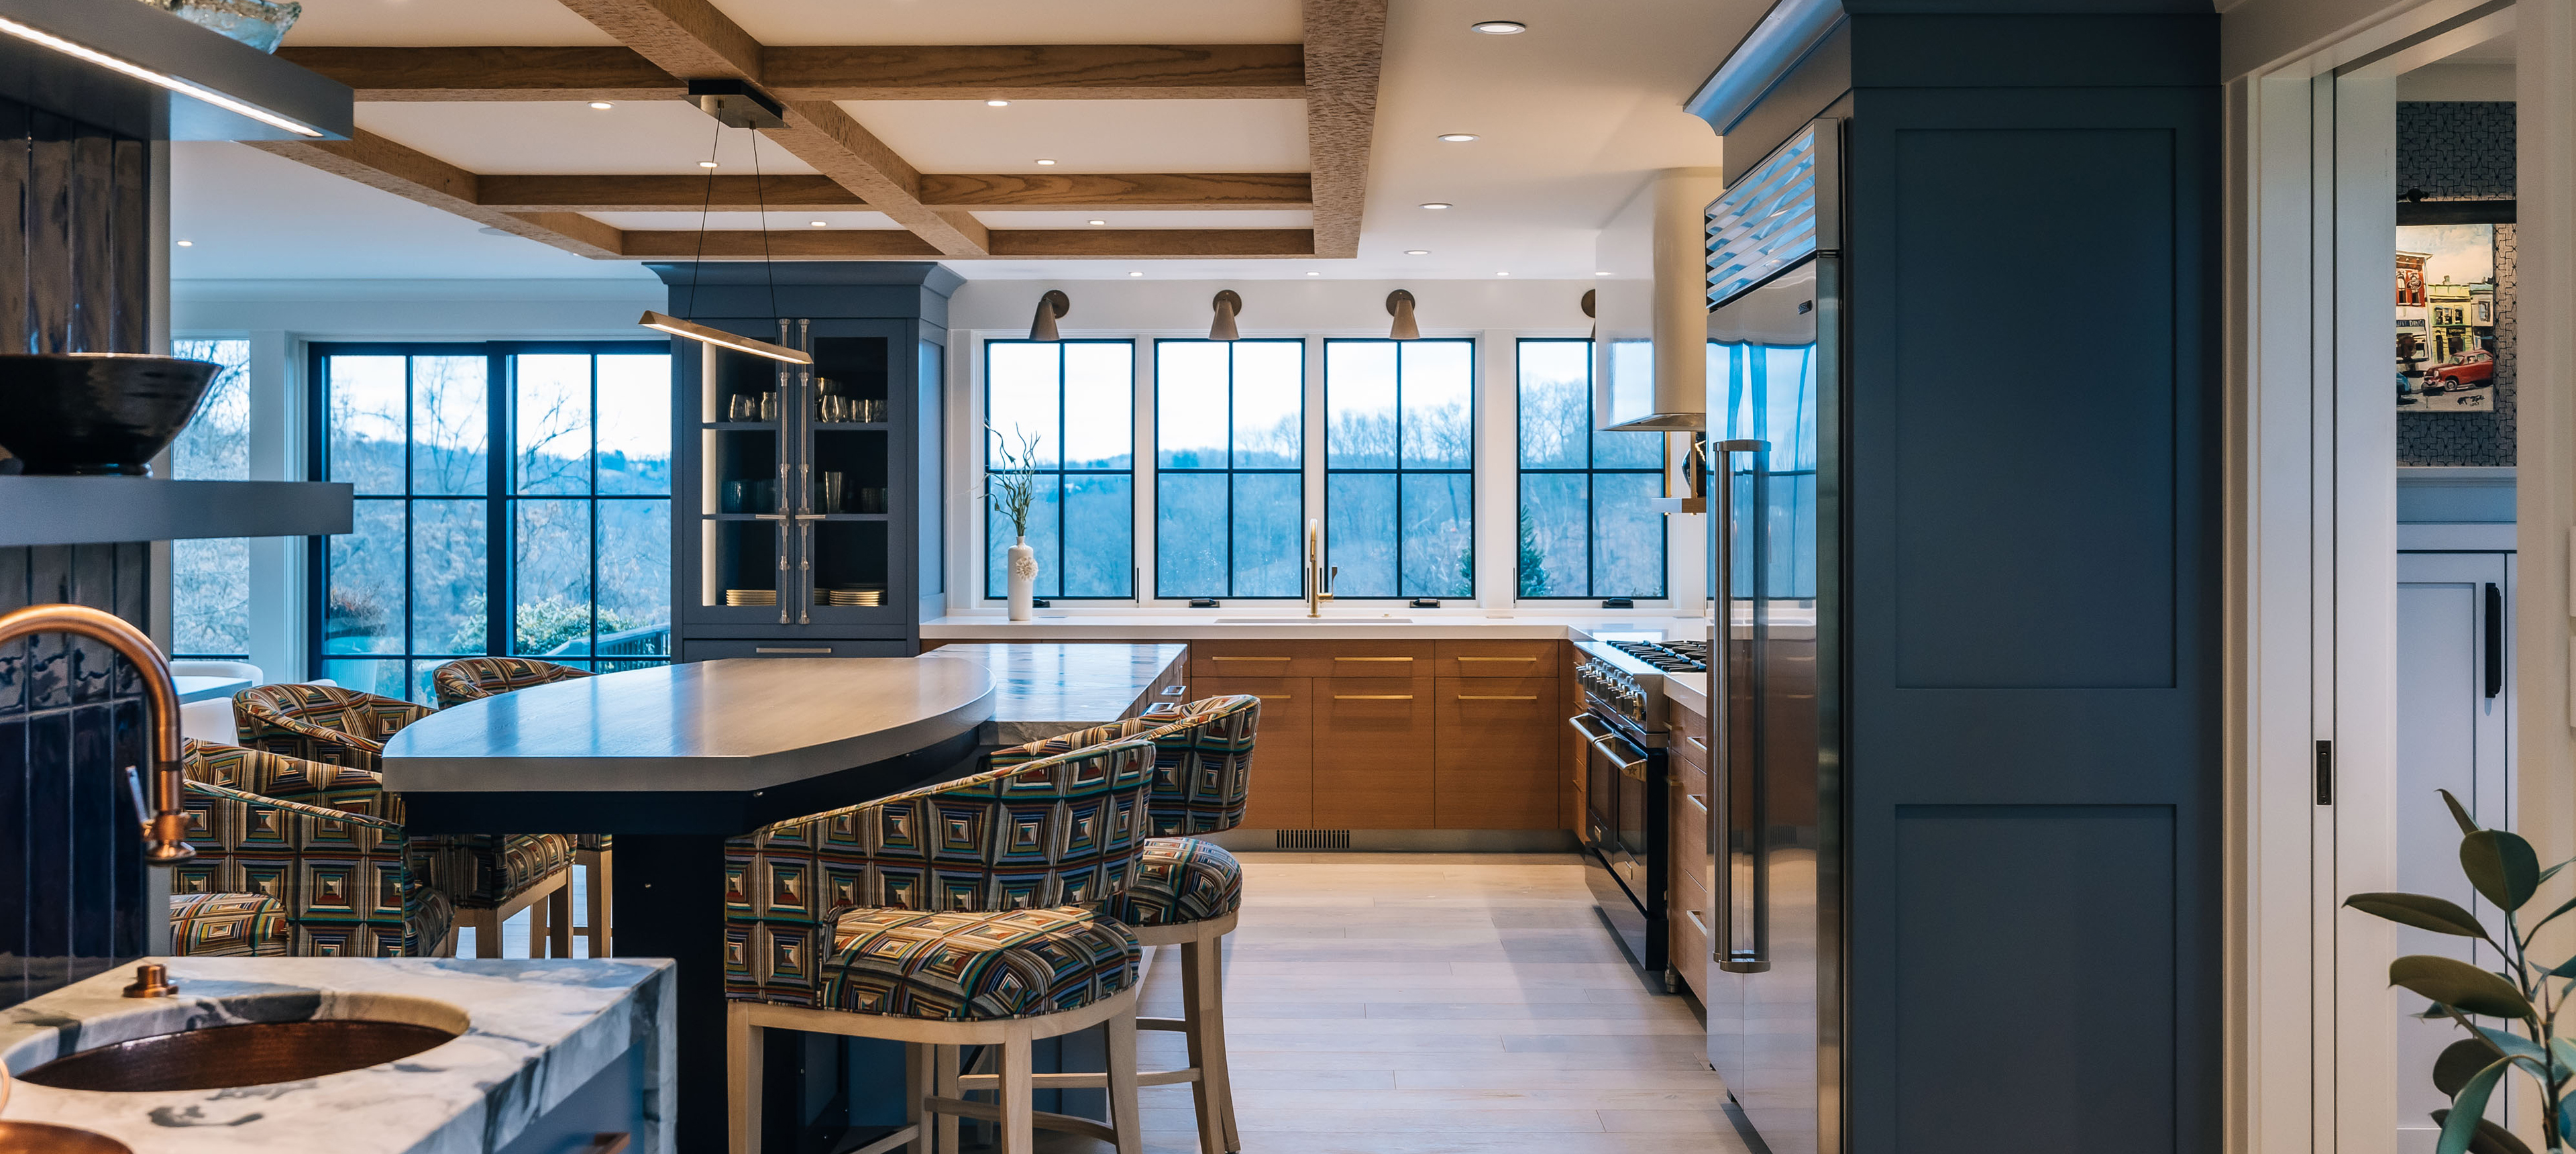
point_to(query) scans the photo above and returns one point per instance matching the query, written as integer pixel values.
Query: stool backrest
(1202, 760)
(325, 723)
(475, 678)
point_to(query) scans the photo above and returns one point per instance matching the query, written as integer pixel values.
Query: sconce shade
(1399, 304)
(1050, 306)
(1228, 306)
(1590, 298)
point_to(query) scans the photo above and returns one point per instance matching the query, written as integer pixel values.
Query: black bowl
(96, 412)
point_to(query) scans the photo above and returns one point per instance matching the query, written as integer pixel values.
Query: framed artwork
(2446, 318)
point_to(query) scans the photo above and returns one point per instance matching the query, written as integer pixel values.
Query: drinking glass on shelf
(830, 496)
(737, 497)
(738, 407)
(769, 406)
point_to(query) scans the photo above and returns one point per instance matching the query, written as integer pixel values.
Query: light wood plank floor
(1413, 1003)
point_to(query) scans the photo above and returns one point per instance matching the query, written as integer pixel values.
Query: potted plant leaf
(2526, 997)
(1012, 482)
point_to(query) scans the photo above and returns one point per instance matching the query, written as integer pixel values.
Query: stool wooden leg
(917, 1062)
(487, 934)
(742, 1082)
(1123, 1116)
(944, 1074)
(558, 921)
(599, 876)
(1211, 1028)
(1019, 1095)
(1195, 992)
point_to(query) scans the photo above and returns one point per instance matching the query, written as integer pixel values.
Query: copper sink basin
(46, 1138)
(221, 1057)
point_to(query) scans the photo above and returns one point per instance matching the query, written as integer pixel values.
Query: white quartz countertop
(534, 1032)
(1041, 689)
(1292, 624)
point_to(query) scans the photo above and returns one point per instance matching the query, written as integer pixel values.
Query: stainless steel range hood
(1650, 359)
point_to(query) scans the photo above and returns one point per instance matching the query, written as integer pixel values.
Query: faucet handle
(151, 980)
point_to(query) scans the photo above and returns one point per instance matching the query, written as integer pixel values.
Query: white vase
(1023, 579)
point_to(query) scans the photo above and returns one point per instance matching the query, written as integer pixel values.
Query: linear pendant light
(165, 80)
(722, 339)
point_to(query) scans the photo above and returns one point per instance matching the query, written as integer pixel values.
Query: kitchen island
(1044, 689)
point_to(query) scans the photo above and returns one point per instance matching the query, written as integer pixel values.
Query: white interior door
(2454, 732)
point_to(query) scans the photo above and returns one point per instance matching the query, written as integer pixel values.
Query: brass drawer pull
(1372, 659)
(1495, 697)
(1694, 740)
(1497, 659)
(1249, 659)
(1268, 697)
(1696, 800)
(1693, 915)
(1372, 697)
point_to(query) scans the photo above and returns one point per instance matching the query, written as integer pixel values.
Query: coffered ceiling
(1201, 132)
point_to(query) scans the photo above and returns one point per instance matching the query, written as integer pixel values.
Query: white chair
(212, 720)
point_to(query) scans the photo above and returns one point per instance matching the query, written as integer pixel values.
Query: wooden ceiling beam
(1007, 244)
(379, 163)
(626, 193)
(1345, 40)
(393, 75)
(691, 38)
(1037, 72)
(1098, 192)
(745, 244)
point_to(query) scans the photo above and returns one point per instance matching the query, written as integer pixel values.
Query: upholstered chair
(1187, 891)
(490, 877)
(964, 914)
(326, 843)
(228, 926)
(475, 678)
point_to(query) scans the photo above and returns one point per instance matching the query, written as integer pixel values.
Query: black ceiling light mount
(736, 104)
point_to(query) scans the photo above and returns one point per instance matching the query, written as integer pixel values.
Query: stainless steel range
(1624, 785)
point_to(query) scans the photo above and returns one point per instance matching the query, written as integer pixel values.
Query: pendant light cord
(767, 266)
(703, 208)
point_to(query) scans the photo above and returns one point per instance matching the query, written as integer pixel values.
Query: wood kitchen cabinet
(1495, 764)
(1687, 904)
(1376, 659)
(1373, 746)
(1283, 755)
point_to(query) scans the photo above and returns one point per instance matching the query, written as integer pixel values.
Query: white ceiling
(1572, 116)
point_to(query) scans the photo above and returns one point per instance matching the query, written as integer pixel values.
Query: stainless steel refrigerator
(1774, 868)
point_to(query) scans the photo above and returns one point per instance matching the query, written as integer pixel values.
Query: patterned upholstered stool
(1187, 892)
(475, 678)
(965, 914)
(227, 926)
(489, 877)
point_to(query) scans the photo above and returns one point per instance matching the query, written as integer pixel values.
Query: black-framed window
(1229, 467)
(531, 475)
(1078, 399)
(1399, 467)
(210, 576)
(1585, 528)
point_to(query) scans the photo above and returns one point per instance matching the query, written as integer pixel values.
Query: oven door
(1615, 802)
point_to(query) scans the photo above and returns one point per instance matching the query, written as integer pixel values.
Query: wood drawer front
(1495, 658)
(1310, 659)
(1689, 748)
(1689, 910)
(1373, 750)
(1690, 821)
(1497, 765)
(1283, 752)
(1691, 778)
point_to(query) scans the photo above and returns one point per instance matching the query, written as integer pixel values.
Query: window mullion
(498, 454)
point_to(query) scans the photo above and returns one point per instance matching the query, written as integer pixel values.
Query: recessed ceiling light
(187, 244)
(1502, 274)
(997, 104)
(1046, 162)
(1456, 137)
(1135, 274)
(817, 223)
(602, 105)
(1435, 204)
(1314, 274)
(1417, 252)
(1499, 27)
(706, 164)
(1099, 222)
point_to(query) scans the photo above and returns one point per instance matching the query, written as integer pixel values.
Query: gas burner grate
(1671, 657)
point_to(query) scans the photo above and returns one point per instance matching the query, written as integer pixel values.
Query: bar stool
(491, 877)
(1188, 892)
(475, 678)
(964, 914)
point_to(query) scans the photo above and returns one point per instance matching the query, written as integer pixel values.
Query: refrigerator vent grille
(1765, 223)
(1314, 839)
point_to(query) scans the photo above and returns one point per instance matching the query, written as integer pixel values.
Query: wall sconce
(1228, 306)
(1050, 306)
(1590, 297)
(1399, 304)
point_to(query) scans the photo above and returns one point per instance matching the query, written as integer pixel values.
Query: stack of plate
(751, 596)
(867, 596)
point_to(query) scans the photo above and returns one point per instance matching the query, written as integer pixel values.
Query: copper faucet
(165, 833)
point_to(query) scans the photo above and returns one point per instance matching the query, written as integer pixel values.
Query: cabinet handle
(1697, 800)
(1372, 697)
(1247, 659)
(1175, 690)
(1281, 697)
(1495, 697)
(1492, 659)
(786, 649)
(1372, 659)
(1695, 740)
(1693, 915)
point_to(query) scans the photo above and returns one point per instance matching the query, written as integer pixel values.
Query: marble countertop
(534, 1032)
(1283, 624)
(1047, 688)
(739, 724)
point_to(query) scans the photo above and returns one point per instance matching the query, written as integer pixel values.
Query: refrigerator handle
(1730, 956)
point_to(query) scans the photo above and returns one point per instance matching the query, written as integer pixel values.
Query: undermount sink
(1314, 621)
(47, 1138)
(219, 1055)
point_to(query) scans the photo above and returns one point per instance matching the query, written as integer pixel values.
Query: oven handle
(1600, 740)
(1729, 956)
